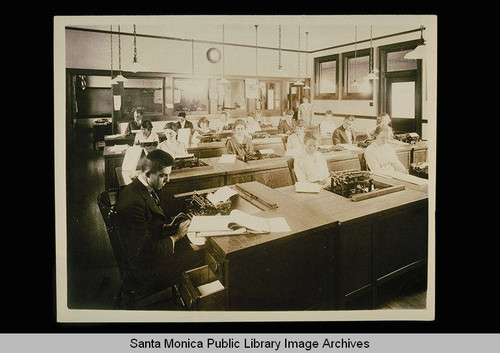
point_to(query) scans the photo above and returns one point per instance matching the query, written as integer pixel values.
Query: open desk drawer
(201, 290)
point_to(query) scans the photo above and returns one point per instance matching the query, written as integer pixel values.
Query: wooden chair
(129, 297)
(362, 161)
(292, 170)
(284, 139)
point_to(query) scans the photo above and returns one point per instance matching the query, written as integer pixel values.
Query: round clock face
(213, 55)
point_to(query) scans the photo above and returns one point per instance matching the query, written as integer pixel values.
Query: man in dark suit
(182, 123)
(156, 252)
(136, 123)
(345, 134)
(286, 123)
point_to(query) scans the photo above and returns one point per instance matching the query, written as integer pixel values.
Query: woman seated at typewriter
(311, 166)
(295, 142)
(171, 145)
(240, 144)
(201, 130)
(146, 134)
(380, 156)
(286, 123)
(253, 125)
(382, 119)
(222, 123)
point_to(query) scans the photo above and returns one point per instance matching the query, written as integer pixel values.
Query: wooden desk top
(339, 208)
(239, 166)
(299, 217)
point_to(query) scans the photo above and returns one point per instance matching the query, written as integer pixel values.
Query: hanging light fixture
(299, 81)
(135, 66)
(281, 72)
(223, 79)
(192, 58)
(355, 84)
(307, 57)
(256, 61)
(119, 78)
(418, 52)
(372, 75)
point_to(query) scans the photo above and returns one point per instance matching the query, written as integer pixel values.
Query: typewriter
(365, 143)
(187, 162)
(411, 137)
(420, 169)
(350, 182)
(210, 138)
(259, 135)
(197, 204)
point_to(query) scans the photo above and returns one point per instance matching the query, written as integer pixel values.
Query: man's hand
(181, 232)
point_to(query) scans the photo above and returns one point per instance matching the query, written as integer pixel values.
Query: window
(326, 73)
(231, 95)
(397, 62)
(190, 95)
(146, 93)
(270, 93)
(356, 65)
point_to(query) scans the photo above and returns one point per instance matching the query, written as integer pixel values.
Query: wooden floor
(93, 278)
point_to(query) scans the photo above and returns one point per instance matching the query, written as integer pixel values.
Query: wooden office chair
(128, 297)
(292, 170)
(362, 161)
(284, 139)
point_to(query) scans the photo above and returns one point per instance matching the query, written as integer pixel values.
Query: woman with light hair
(380, 156)
(171, 145)
(239, 144)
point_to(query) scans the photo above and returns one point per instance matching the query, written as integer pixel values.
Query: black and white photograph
(239, 168)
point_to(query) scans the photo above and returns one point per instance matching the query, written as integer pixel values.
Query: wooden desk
(99, 130)
(275, 271)
(272, 172)
(376, 240)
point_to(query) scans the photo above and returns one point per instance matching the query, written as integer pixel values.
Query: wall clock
(213, 55)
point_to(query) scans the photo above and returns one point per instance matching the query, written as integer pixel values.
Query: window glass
(327, 77)
(190, 95)
(358, 68)
(397, 62)
(231, 95)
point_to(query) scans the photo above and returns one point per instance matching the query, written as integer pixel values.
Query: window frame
(195, 112)
(317, 64)
(345, 75)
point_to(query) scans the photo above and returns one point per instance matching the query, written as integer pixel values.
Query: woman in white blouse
(311, 166)
(380, 156)
(146, 134)
(295, 142)
(171, 145)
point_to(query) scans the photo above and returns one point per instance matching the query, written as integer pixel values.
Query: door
(403, 103)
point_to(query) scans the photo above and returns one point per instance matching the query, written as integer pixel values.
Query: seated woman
(286, 123)
(382, 119)
(171, 145)
(201, 130)
(221, 124)
(327, 126)
(146, 134)
(311, 166)
(380, 156)
(239, 144)
(295, 142)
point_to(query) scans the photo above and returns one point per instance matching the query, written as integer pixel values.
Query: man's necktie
(156, 198)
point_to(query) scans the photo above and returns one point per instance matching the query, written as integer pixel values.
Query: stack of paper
(227, 158)
(267, 151)
(221, 195)
(211, 287)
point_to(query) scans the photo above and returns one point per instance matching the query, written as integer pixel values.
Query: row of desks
(337, 256)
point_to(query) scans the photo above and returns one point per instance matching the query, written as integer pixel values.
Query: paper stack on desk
(221, 195)
(238, 222)
(227, 158)
(304, 186)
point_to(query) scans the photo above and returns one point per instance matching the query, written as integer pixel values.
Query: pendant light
(372, 75)
(281, 72)
(355, 84)
(223, 79)
(418, 52)
(299, 81)
(119, 78)
(135, 66)
(307, 57)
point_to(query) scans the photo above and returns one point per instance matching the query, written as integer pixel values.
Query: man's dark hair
(181, 114)
(156, 160)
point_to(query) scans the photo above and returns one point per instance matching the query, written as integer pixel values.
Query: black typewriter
(187, 162)
(420, 169)
(411, 137)
(207, 138)
(350, 182)
(149, 144)
(259, 135)
(365, 143)
(197, 204)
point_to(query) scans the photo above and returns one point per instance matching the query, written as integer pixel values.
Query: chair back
(362, 161)
(284, 139)
(108, 214)
(292, 170)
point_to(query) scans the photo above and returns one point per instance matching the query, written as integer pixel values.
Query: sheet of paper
(227, 158)
(350, 147)
(267, 151)
(221, 195)
(220, 232)
(279, 224)
(188, 155)
(303, 186)
(211, 287)
(251, 222)
(209, 223)
(410, 178)
(183, 135)
(118, 148)
(132, 157)
(199, 241)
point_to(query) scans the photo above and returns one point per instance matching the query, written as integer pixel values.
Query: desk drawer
(215, 263)
(193, 298)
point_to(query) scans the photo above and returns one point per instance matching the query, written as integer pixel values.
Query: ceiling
(322, 31)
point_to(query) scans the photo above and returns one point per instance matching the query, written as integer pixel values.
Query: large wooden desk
(377, 240)
(275, 271)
